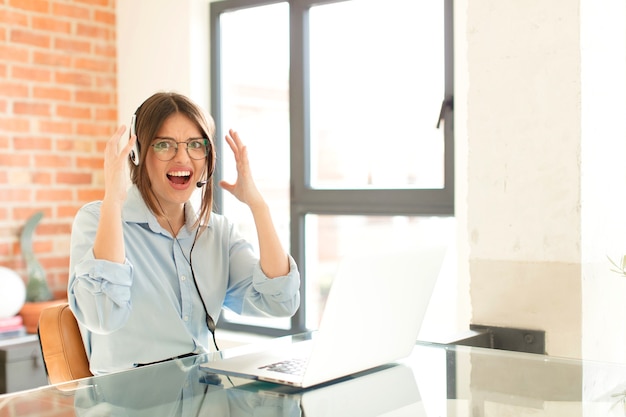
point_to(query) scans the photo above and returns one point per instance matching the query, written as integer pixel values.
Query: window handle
(446, 103)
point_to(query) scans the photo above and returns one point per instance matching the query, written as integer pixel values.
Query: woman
(149, 272)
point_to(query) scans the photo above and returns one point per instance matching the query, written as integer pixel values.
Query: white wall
(163, 45)
(603, 174)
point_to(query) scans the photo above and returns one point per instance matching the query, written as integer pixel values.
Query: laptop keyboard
(291, 366)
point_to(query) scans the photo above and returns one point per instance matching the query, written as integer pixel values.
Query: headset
(134, 153)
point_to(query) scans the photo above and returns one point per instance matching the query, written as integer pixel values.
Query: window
(340, 104)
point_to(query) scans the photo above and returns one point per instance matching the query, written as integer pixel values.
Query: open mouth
(179, 177)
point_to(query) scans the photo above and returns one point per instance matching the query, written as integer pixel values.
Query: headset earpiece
(134, 153)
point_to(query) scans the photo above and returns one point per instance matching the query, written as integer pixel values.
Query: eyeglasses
(165, 149)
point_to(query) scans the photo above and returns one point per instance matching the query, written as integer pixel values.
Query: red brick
(104, 17)
(51, 24)
(13, 124)
(14, 160)
(54, 229)
(72, 45)
(59, 291)
(52, 161)
(13, 89)
(16, 195)
(108, 50)
(90, 194)
(106, 83)
(22, 213)
(74, 112)
(68, 210)
(94, 97)
(72, 78)
(52, 93)
(90, 64)
(50, 262)
(68, 10)
(54, 194)
(107, 114)
(51, 59)
(20, 177)
(75, 178)
(93, 163)
(49, 126)
(43, 246)
(94, 31)
(101, 146)
(28, 37)
(42, 178)
(31, 74)
(31, 109)
(18, 265)
(74, 145)
(93, 129)
(13, 53)
(32, 143)
(5, 250)
(94, 2)
(13, 18)
(42, 6)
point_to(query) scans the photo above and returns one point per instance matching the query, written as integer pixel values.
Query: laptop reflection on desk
(390, 390)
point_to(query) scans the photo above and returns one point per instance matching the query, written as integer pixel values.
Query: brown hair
(149, 118)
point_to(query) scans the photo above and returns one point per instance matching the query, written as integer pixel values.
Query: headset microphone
(199, 184)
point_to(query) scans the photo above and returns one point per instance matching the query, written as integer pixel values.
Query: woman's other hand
(244, 188)
(115, 163)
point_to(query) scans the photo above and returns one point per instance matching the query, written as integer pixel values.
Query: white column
(523, 173)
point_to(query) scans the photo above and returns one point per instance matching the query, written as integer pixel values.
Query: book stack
(11, 327)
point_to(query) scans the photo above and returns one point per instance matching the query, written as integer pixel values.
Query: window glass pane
(331, 239)
(255, 87)
(376, 86)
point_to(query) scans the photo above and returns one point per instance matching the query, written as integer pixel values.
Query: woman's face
(174, 181)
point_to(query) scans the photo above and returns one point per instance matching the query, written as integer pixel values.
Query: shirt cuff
(100, 269)
(282, 288)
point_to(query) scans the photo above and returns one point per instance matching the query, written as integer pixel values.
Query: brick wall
(58, 107)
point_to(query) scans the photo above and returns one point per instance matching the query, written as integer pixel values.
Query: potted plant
(38, 295)
(619, 268)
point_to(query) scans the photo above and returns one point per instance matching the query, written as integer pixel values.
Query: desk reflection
(182, 388)
(435, 380)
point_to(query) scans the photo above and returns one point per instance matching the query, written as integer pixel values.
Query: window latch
(445, 104)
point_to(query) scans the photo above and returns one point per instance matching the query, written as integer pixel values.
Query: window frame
(303, 198)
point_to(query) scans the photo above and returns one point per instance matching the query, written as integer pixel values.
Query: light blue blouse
(148, 309)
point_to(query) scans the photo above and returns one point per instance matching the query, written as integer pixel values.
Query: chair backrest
(61, 345)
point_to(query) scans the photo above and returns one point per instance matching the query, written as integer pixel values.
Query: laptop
(373, 315)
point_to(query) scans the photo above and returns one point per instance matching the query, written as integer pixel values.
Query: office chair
(61, 344)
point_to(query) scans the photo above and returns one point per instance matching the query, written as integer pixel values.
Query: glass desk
(435, 380)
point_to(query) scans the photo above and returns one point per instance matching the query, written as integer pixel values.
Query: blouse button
(182, 278)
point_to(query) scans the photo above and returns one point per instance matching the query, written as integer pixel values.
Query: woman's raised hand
(244, 188)
(115, 163)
